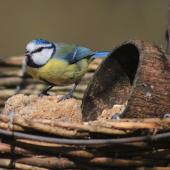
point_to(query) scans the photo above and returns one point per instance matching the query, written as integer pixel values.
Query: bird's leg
(70, 93)
(44, 92)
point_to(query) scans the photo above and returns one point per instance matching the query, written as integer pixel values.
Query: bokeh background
(98, 24)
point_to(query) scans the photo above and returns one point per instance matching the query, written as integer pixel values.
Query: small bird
(58, 64)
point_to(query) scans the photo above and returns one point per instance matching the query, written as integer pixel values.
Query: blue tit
(58, 64)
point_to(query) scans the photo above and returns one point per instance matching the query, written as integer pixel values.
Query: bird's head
(38, 52)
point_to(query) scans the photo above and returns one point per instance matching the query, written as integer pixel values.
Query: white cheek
(41, 58)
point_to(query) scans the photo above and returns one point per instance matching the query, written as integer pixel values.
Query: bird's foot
(45, 91)
(67, 96)
(115, 117)
(43, 94)
(167, 115)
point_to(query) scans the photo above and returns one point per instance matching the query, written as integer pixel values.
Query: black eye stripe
(38, 50)
(41, 48)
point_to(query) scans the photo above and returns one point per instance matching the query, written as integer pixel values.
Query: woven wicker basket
(130, 143)
(42, 144)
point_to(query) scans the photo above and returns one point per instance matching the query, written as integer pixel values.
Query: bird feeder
(136, 74)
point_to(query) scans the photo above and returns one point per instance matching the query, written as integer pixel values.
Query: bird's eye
(38, 50)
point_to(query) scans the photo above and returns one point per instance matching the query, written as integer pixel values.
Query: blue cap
(40, 41)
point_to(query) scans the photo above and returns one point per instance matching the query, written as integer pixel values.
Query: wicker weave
(50, 145)
(42, 144)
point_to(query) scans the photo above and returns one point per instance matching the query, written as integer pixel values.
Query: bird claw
(67, 96)
(43, 94)
(167, 115)
(115, 117)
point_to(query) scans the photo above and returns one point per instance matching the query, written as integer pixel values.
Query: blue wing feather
(75, 53)
(71, 53)
(100, 54)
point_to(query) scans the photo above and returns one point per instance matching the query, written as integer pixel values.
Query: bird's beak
(27, 54)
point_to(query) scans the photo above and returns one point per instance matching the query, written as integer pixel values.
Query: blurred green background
(98, 24)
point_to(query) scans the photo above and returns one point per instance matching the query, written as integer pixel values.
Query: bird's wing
(71, 53)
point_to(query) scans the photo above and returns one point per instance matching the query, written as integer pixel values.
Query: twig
(51, 130)
(65, 163)
(60, 130)
(18, 135)
(110, 162)
(66, 129)
(48, 162)
(23, 149)
(6, 148)
(102, 126)
(6, 163)
(6, 126)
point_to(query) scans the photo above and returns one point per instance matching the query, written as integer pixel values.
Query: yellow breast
(60, 72)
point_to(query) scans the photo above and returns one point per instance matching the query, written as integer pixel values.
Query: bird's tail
(100, 54)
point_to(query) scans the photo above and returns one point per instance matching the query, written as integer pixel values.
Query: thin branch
(19, 135)
(6, 163)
